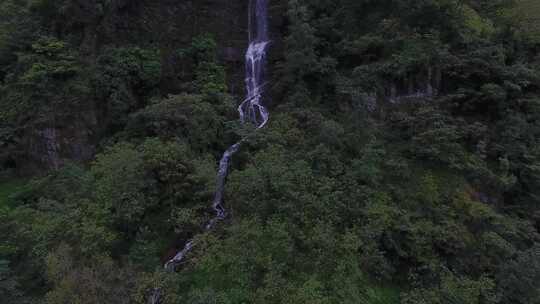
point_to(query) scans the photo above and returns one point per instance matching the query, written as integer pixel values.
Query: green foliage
(453, 289)
(95, 281)
(128, 189)
(47, 83)
(138, 184)
(196, 119)
(401, 163)
(302, 63)
(8, 283)
(209, 74)
(518, 278)
(125, 79)
(266, 275)
(526, 12)
(120, 180)
(476, 24)
(8, 189)
(17, 31)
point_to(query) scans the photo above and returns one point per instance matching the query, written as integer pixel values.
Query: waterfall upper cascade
(251, 110)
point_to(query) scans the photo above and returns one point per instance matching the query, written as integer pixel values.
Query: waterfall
(250, 110)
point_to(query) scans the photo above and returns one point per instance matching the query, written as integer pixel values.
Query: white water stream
(251, 111)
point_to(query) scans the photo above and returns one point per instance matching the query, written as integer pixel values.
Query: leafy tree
(518, 278)
(193, 119)
(455, 290)
(91, 282)
(124, 80)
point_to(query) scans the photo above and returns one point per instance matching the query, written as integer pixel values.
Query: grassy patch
(9, 188)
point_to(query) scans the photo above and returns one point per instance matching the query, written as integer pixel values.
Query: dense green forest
(401, 163)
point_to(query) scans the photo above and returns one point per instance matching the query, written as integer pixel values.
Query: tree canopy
(401, 163)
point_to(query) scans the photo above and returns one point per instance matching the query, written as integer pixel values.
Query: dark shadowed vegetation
(401, 163)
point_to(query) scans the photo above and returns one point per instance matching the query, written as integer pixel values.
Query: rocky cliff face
(168, 24)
